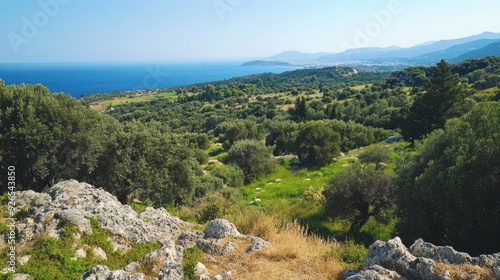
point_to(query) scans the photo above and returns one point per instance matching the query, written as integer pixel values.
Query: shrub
(208, 184)
(449, 190)
(232, 175)
(377, 155)
(253, 157)
(359, 193)
(190, 259)
(201, 156)
(317, 144)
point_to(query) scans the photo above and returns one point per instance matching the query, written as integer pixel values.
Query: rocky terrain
(423, 260)
(71, 202)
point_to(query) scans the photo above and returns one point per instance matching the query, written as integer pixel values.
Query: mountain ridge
(421, 54)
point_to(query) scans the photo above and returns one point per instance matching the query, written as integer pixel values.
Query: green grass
(190, 259)
(297, 195)
(166, 94)
(103, 105)
(350, 253)
(4, 213)
(286, 192)
(51, 258)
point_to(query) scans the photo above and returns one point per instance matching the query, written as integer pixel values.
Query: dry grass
(256, 223)
(103, 105)
(465, 271)
(150, 268)
(291, 254)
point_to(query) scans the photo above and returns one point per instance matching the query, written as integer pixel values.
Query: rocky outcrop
(102, 272)
(374, 272)
(392, 260)
(75, 202)
(449, 255)
(167, 261)
(71, 202)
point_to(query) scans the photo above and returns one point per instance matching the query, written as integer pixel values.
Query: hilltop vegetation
(306, 145)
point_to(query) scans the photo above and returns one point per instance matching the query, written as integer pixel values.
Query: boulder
(189, 238)
(80, 253)
(224, 276)
(215, 247)
(375, 272)
(439, 253)
(201, 272)
(102, 272)
(394, 255)
(23, 260)
(75, 217)
(489, 261)
(22, 276)
(257, 244)
(220, 228)
(99, 253)
(169, 256)
(171, 271)
(162, 220)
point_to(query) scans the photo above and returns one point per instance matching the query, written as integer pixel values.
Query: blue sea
(79, 79)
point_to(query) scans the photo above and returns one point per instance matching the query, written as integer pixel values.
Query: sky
(193, 30)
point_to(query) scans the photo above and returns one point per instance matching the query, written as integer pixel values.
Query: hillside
(80, 232)
(492, 49)
(321, 163)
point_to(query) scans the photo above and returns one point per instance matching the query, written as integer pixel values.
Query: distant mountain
(454, 51)
(490, 50)
(295, 56)
(376, 54)
(444, 44)
(359, 54)
(425, 44)
(421, 54)
(266, 63)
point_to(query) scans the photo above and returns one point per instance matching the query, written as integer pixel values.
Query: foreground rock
(76, 202)
(392, 260)
(80, 203)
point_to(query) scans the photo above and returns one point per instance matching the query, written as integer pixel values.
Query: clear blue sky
(174, 30)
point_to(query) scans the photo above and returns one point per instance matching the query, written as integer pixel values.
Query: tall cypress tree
(299, 111)
(431, 108)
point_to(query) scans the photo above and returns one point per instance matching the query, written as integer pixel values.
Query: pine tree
(431, 108)
(300, 110)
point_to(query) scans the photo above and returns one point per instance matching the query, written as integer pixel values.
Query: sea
(77, 79)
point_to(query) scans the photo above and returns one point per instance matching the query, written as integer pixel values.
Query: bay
(79, 79)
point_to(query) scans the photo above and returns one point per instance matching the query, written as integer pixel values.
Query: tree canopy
(449, 191)
(432, 107)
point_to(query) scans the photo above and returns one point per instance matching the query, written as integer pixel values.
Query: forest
(352, 155)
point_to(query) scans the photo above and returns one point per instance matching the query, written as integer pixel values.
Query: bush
(208, 184)
(360, 192)
(232, 175)
(377, 155)
(317, 144)
(201, 156)
(253, 157)
(449, 190)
